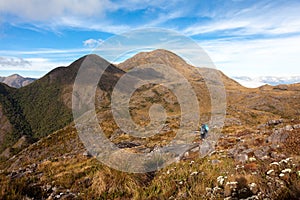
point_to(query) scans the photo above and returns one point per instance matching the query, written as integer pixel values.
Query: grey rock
(215, 162)
(289, 128)
(241, 158)
(87, 154)
(262, 153)
(278, 136)
(127, 144)
(206, 148)
(54, 189)
(195, 149)
(253, 187)
(274, 122)
(296, 126)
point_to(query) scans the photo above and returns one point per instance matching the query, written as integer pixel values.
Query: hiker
(204, 131)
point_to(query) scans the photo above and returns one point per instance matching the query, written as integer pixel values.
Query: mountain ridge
(253, 82)
(16, 81)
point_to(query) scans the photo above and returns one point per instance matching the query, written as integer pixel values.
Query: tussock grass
(177, 179)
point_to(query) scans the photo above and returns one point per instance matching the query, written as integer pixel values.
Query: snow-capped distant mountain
(16, 80)
(253, 82)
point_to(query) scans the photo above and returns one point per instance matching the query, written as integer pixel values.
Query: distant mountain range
(16, 80)
(253, 82)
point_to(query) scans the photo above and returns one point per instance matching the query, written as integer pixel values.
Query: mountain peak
(170, 59)
(66, 74)
(158, 56)
(15, 76)
(16, 80)
(162, 52)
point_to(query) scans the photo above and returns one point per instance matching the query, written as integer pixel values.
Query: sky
(242, 37)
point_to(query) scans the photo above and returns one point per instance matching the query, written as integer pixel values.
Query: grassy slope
(58, 161)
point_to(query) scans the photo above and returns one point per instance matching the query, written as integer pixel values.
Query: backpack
(206, 127)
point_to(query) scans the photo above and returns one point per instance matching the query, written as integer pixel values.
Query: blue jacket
(205, 127)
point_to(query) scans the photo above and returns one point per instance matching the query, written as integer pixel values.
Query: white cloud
(260, 18)
(101, 15)
(64, 54)
(250, 83)
(45, 64)
(89, 24)
(92, 43)
(263, 17)
(164, 17)
(131, 5)
(32, 64)
(8, 62)
(45, 10)
(277, 56)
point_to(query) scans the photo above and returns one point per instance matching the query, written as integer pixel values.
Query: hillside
(58, 166)
(244, 105)
(16, 81)
(256, 156)
(45, 105)
(13, 123)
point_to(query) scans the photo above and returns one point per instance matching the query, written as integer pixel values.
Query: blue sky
(242, 37)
